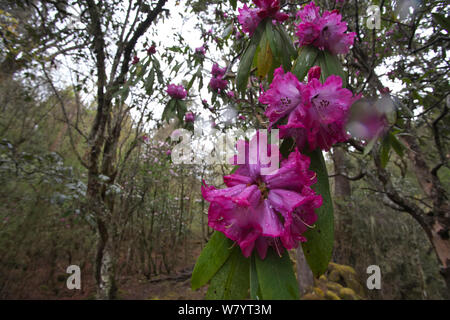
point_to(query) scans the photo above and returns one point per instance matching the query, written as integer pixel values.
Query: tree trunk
(342, 192)
(439, 237)
(105, 265)
(437, 222)
(342, 188)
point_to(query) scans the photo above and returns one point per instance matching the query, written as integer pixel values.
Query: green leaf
(227, 32)
(274, 43)
(157, 68)
(320, 61)
(276, 277)
(396, 144)
(245, 65)
(279, 49)
(214, 97)
(286, 52)
(442, 20)
(319, 246)
(255, 293)
(195, 76)
(233, 4)
(213, 256)
(176, 68)
(231, 282)
(384, 152)
(287, 41)
(169, 110)
(234, 169)
(181, 109)
(264, 59)
(150, 82)
(306, 58)
(124, 94)
(333, 66)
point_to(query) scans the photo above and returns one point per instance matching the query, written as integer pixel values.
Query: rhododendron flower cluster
(217, 71)
(249, 18)
(151, 50)
(231, 94)
(317, 113)
(326, 32)
(217, 83)
(200, 50)
(258, 211)
(189, 117)
(176, 91)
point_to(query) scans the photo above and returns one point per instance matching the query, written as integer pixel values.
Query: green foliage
(276, 277)
(306, 58)
(255, 293)
(319, 247)
(213, 256)
(443, 21)
(246, 62)
(231, 282)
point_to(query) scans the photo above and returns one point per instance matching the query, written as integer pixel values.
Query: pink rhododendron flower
(200, 50)
(231, 94)
(270, 8)
(309, 13)
(176, 91)
(189, 117)
(249, 18)
(320, 120)
(258, 211)
(326, 32)
(284, 95)
(217, 71)
(218, 84)
(317, 113)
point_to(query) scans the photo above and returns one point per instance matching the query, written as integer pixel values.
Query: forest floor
(37, 284)
(163, 290)
(176, 286)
